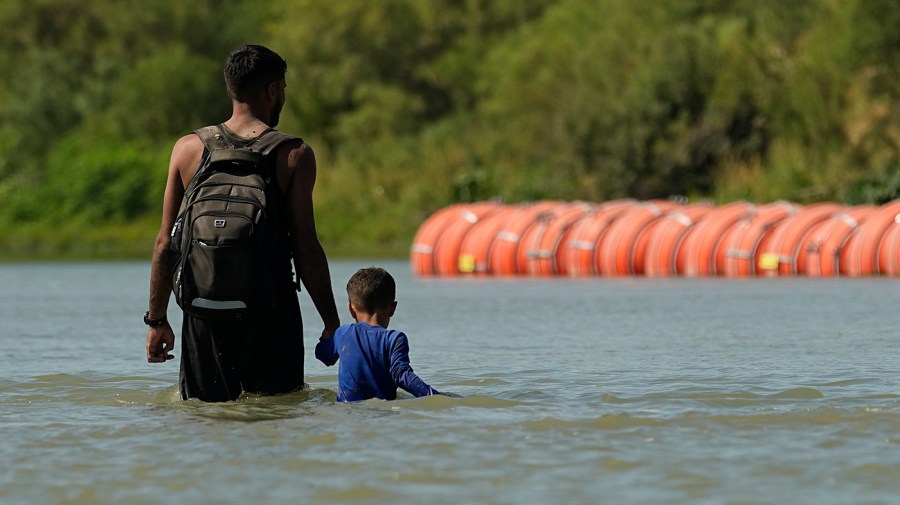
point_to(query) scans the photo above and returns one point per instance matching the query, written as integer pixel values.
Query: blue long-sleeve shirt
(374, 362)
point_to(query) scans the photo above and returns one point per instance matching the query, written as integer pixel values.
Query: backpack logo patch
(219, 223)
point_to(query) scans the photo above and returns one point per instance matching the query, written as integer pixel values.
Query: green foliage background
(415, 104)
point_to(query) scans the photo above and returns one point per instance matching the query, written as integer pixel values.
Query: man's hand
(160, 342)
(326, 334)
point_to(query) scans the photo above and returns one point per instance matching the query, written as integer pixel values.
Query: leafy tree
(415, 104)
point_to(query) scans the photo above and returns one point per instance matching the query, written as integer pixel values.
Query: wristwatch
(153, 323)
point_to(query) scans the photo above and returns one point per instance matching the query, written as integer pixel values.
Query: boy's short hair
(250, 68)
(371, 289)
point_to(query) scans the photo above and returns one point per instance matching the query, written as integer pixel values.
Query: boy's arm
(402, 372)
(326, 350)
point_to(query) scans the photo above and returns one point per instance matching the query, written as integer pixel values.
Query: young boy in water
(374, 360)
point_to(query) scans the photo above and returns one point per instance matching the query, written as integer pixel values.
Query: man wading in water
(222, 358)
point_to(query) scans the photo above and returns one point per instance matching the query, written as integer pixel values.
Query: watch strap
(153, 323)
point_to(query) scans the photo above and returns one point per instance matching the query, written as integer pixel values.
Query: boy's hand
(324, 354)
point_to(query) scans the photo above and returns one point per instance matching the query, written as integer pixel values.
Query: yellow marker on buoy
(466, 263)
(769, 261)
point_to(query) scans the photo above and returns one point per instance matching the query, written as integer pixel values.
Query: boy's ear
(352, 311)
(393, 308)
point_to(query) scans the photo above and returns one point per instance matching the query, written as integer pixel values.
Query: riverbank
(133, 241)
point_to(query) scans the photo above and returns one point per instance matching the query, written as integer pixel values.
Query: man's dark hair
(250, 68)
(371, 289)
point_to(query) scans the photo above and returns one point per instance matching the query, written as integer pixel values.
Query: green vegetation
(412, 105)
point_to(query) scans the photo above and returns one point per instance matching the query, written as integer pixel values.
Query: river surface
(571, 391)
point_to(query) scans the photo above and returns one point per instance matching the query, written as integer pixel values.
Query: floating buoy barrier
(658, 238)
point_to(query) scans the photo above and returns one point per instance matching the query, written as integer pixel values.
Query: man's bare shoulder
(299, 154)
(296, 167)
(189, 144)
(186, 157)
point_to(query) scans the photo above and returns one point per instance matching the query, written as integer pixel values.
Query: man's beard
(274, 117)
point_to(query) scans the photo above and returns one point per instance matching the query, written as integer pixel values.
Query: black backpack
(228, 229)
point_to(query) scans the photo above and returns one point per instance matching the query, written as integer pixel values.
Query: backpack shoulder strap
(220, 147)
(213, 138)
(270, 140)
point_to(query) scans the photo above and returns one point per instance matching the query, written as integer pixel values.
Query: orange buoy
(539, 251)
(503, 256)
(748, 234)
(860, 256)
(665, 239)
(778, 255)
(790, 237)
(472, 255)
(703, 251)
(447, 249)
(422, 248)
(889, 251)
(828, 238)
(579, 250)
(620, 252)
